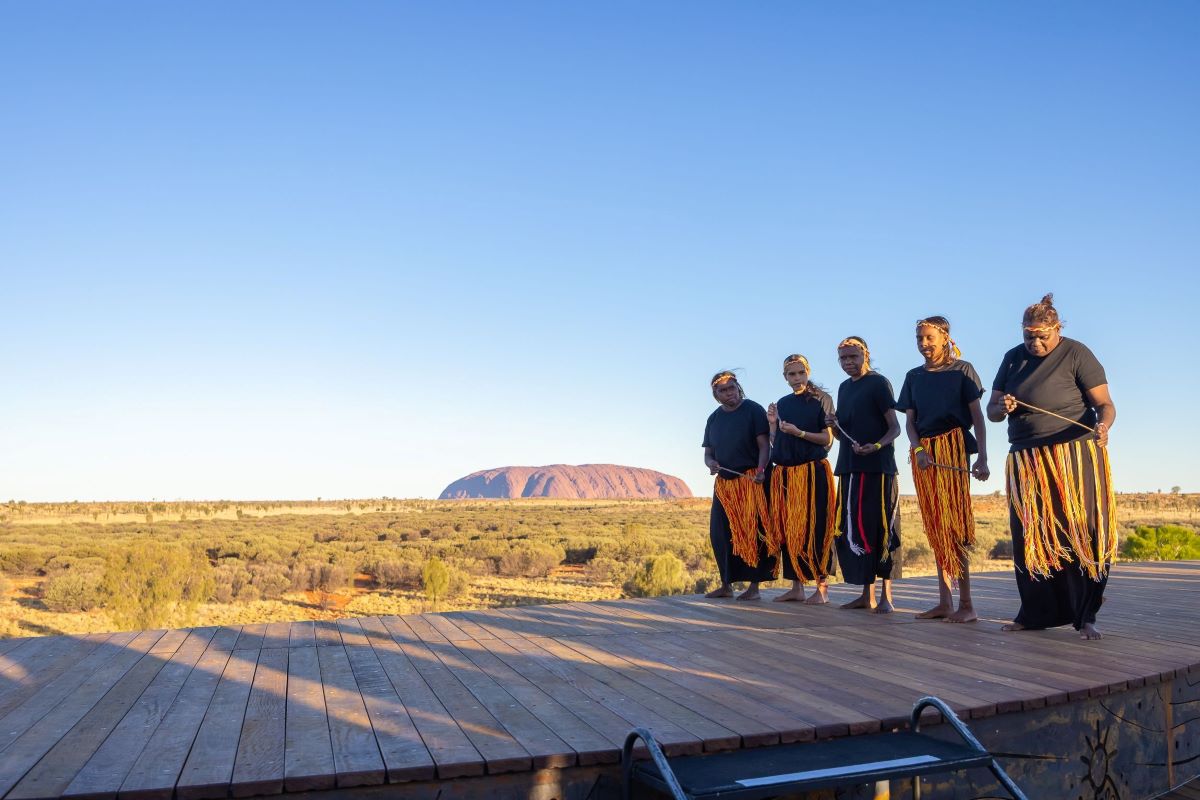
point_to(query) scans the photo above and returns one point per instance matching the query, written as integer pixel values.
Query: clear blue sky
(289, 250)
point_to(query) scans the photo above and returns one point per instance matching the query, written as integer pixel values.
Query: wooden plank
(472, 629)
(14, 692)
(589, 746)
(722, 692)
(447, 627)
(258, 764)
(8, 645)
(104, 772)
(674, 739)
(302, 634)
(500, 751)
(356, 757)
(542, 743)
(327, 635)
(153, 774)
(308, 750)
(278, 635)
(612, 727)
(63, 760)
(252, 637)
(36, 726)
(404, 753)
(453, 753)
(705, 704)
(209, 767)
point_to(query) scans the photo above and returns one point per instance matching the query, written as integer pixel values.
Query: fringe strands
(793, 516)
(944, 496)
(1041, 478)
(745, 504)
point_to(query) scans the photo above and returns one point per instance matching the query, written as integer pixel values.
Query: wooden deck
(289, 707)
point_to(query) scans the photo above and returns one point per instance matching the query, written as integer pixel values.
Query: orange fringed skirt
(803, 519)
(1062, 499)
(944, 496)
(745, 505)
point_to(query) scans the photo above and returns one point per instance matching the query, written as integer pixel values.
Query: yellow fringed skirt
(745, 505)
(802, 519)
(1063, 501)
(944, 496)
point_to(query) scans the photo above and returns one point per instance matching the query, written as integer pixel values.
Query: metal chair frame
(677, 792)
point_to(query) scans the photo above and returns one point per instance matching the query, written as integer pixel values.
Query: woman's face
(727, 393)
(1039, 341)
(796, 376)
(931, 342)
(853, 360)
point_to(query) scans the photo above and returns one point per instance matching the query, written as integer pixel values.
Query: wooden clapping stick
(733, 472)
(1051, 413)
(842, 430)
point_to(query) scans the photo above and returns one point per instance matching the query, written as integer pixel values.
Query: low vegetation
(73, 568)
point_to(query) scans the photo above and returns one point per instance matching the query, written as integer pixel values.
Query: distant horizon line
(390, 499)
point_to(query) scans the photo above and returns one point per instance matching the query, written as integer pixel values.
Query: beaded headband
(796, 358)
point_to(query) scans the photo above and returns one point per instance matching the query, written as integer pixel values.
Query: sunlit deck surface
(284, 707)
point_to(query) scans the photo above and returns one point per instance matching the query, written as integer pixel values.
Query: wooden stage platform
(535, 701)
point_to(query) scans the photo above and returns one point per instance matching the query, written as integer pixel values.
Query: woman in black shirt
(736, 449)
(802, 500)
(868, 498)
(940, 400)
(1062, 507)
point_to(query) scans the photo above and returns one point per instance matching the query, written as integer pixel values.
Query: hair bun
(1048, 299)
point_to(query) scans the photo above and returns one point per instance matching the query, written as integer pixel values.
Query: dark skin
(1040, 340)
(797, 378)
(934, 345)
(729, 395)
(854, 363)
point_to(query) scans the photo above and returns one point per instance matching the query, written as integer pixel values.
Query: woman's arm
(820, 438)
(924, 460)
(764, 455)
(710, 461)
(997, 407)
(1106, 412)
(980, 470)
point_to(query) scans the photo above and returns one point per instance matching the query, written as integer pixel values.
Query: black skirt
(868, 526)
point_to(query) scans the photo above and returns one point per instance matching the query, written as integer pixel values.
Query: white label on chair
(834, 771)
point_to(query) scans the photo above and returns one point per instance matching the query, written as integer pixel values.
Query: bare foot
(1089, 631)
(937, 612)
(820, 597)
(1012, 626)
(721, 591)
(966, 614)
(750, 594)
(884, 607)
(791, 595)
(861, 602)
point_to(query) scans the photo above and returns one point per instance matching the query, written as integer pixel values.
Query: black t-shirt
(942, 399)
(862, 407)
(732, 435)
(1057, 382)
(807, 413)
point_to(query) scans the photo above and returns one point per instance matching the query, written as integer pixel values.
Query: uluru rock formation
(582, 482)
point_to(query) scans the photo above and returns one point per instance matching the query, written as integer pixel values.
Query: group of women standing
(777, 506)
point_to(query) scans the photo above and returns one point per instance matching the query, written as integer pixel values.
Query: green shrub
(72, 591)
(150, 583)
(530, 560)
(1002, 549)
(1162, 543)
(660, 575)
